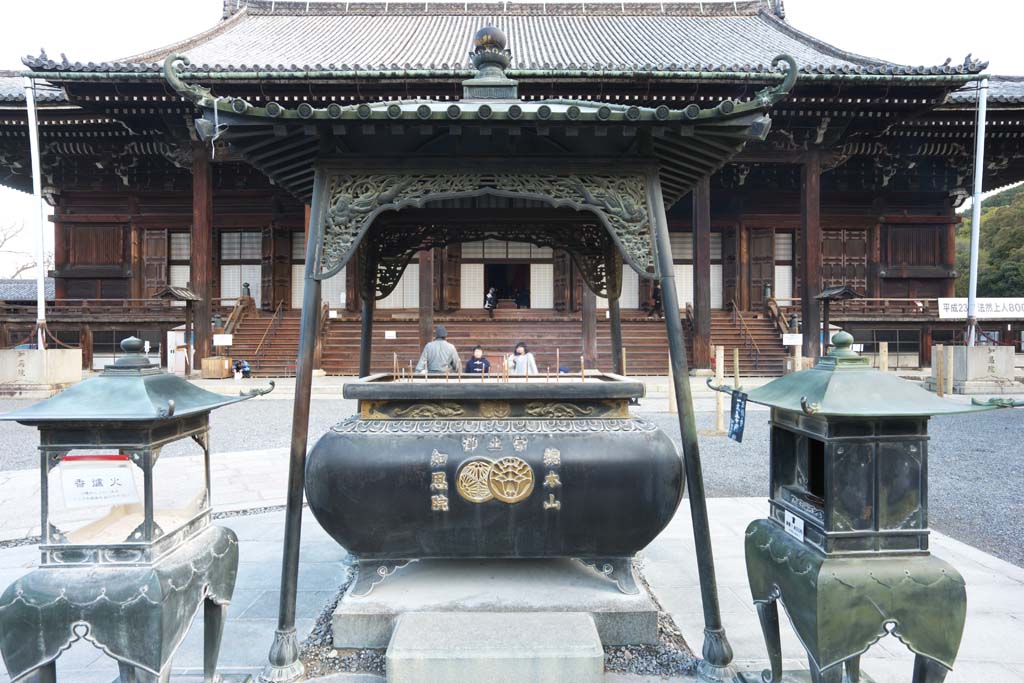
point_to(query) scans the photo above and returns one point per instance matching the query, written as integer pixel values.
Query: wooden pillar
(702, 273)
(589, 310)
(949, 259)
(426, 316)
(85, 343)
(742, 267)
(810, 227)
(202, 250)
(926, 346)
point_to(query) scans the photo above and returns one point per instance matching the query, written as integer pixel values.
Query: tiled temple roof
(1001, 90)
(12, 89)
(286, 37)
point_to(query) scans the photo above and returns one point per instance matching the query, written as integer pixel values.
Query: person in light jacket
(439, 356)
(522, 362)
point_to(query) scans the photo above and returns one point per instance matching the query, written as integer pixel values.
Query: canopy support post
(588, 310)
(369, 297)
(717, 653)
(284, 665)
(615, 315)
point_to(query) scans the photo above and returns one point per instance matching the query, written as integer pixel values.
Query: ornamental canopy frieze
(354, 198)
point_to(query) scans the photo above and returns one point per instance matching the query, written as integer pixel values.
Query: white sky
(906, 31)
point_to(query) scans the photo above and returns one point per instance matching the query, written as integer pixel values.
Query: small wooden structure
(189, 297)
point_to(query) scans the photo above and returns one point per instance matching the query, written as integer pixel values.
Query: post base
(284, 665)
(716, 666)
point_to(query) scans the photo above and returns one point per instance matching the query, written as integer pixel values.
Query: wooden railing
(274, 320)
(58, 306)
(777, 317)
(238, 313)
(911, 307)
(748, 339)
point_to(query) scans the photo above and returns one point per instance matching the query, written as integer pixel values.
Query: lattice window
(471, 294)
(542, 285)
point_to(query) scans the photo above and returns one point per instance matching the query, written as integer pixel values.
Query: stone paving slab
(500, 647)
(995, 601)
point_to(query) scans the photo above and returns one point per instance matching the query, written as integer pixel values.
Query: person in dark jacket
(655, 308)
(478, 363)
(491, 302)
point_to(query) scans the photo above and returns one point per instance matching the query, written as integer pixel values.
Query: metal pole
(40, 220)
(284, 664)
(979, 169)
(618, 353)
(367, 329)
(716, 650)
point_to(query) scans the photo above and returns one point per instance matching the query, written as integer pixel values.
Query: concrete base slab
(498, 647)
(558, 585)
(975, 387)
(795, 677)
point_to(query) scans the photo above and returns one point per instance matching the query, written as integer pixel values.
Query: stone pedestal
(34, 373)
(505, 586)
(980, 370)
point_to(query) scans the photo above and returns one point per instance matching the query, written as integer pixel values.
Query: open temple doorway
(512, 282)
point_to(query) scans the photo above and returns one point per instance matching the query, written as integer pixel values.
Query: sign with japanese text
(792, 339)
(794, 526)
(988, 308)
(738, 416)
(90, 480)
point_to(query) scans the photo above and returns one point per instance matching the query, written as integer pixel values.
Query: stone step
(497, 647)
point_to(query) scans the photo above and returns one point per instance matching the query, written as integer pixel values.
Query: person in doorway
(478, 363)
(439, 356)
(522, 362)
(655, 309)
(491, 302)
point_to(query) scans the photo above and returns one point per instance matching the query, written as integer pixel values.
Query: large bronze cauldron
(477, 468)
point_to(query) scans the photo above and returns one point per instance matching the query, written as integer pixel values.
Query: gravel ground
(975, 473)
(669, 658)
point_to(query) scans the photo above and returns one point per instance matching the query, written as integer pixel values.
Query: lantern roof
(843, 384)
(131, 389)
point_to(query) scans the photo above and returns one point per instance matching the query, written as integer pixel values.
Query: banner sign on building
(989, 308)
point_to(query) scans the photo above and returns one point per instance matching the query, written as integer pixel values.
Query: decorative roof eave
(915, 76)
(510, 110)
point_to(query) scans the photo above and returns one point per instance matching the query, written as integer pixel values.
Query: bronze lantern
(128, 553)
(845, 548)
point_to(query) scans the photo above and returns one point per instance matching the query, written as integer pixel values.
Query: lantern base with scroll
(129, 556)
(845, 549)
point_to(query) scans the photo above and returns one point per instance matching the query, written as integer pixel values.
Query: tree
(1001, 246)
(23, 262)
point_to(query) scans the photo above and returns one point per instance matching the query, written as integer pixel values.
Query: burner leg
(617, 569)
(369, 573)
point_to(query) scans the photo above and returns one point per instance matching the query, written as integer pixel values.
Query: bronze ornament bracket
(354, 199)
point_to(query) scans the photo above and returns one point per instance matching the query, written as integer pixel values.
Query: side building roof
(1001, 90)
(734, 37)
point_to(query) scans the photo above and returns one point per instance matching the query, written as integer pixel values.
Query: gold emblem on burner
(511, 479)
(472, 481)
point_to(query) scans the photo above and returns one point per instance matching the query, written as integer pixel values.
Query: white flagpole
(979, 168)
(40, 219)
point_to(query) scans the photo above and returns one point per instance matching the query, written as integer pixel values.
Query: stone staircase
(644, 340)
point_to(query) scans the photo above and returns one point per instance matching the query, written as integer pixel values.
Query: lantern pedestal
(136, 614)
(840, 606)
